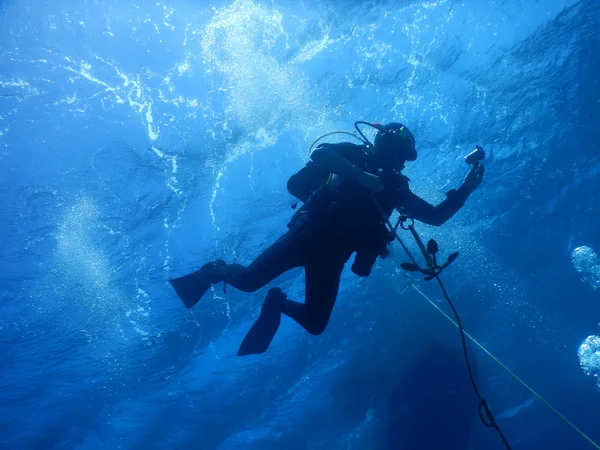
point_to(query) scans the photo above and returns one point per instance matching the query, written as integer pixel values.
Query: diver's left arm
(420, 210)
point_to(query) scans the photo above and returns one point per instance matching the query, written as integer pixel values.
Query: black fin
(190, 288)
(261, 334)
(263, 331)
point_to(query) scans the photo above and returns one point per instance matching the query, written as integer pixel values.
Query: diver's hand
(474, 177)
(372, 182)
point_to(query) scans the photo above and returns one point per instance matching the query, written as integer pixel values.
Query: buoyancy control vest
(309, 184)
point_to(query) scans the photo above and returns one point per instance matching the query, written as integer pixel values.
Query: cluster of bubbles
(242, 43)
(586, 262)
(589, 356)
(84, 266)
(88, 288)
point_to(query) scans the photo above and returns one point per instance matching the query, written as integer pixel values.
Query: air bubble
(589, 356)
(587, 263)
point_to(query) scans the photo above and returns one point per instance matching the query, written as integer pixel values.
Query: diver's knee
(317, 326)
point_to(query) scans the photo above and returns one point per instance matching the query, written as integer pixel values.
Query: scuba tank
(311, 177)
(307, 180)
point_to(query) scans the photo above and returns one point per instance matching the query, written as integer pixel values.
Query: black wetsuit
(339, 219)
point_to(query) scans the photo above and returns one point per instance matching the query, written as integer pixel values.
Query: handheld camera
(476, 156)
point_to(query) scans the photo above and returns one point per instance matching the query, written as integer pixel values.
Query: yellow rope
(514, 375)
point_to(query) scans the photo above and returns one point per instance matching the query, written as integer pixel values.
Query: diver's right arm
(327, 158)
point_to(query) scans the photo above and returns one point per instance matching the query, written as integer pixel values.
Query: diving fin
(190, 288)
(263, 331)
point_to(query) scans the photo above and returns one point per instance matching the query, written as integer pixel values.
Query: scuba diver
(346, 189)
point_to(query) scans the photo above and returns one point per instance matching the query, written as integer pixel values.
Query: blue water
(140, 139)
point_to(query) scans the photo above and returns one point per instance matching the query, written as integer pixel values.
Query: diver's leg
(322, 286)
(260, 336)
(285, 254)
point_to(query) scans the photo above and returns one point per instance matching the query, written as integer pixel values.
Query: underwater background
(139, 140)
